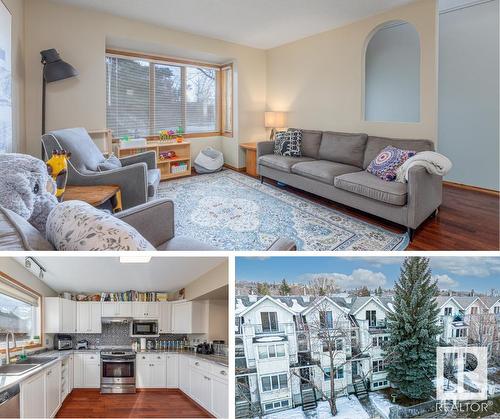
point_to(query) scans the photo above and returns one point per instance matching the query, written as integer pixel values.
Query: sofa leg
(435, 213)
(261, 179)
(411, 233)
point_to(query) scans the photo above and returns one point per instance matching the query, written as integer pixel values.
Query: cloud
(479, 267)
(378, 262)
(358, 278)
(444, 281)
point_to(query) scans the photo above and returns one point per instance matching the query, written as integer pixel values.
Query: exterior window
(460, 333)
(326, 319)
(379, 340)
(271, 351)
(496, 310)
(447, 311)
(327, 374)
(473, 310)
(339, 373)
(371, 316)
(378, 366)
(274, 382)
(339, 345)
(269, 321)
(276, 405)
(263, 352)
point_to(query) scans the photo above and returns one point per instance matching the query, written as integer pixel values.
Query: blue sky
(455, 273)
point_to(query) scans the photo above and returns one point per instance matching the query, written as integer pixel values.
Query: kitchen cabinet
(88, 316)
(151, 370)
(165, 321)
(145, 310)
(66, 376)
(184, 376)
(116, 309)
(220, 397)
(32, 398)
(190, 317)
(172, 371)
(60, 315)
(52, 389)
(87, 370)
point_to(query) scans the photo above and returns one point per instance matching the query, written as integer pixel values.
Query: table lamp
(275, 120)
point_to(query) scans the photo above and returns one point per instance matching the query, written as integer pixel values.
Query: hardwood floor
(89, 403)
(467, 220)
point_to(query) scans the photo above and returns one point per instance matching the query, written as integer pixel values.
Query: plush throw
(287, 143)
(112, 162)
(76, 225)
(434, 163)
(388, 161)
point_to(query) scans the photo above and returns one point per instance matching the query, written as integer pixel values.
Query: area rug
(232, 211)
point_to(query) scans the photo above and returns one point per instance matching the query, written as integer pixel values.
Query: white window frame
(270, 376)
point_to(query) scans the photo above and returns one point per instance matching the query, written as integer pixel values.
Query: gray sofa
(153, 220)
(333, 166)
(138, 178)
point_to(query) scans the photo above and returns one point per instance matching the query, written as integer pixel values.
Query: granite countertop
(218, 359)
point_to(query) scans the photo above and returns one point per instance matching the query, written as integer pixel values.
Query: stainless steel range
(117, 371)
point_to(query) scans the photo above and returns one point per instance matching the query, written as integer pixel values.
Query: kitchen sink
(39, 360)
(16, 369)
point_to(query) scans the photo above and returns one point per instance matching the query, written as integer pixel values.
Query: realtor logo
(462, 373)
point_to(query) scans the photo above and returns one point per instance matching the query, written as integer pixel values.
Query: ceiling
(99, 274)
(257, 23)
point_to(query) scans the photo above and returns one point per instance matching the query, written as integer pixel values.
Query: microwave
(144, 328)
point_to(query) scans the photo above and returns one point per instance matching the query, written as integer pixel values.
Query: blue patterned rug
(232, 211)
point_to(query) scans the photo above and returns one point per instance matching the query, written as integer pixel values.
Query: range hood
(121, 320)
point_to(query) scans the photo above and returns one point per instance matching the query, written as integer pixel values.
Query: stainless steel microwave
(144, 328)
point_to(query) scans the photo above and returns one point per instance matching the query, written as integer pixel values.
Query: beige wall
(212, 280)
(81, 36)
(218, 320)
(12, 268)
(319, 79)
(17, 10)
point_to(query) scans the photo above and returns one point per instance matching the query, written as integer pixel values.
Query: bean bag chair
(208, 160)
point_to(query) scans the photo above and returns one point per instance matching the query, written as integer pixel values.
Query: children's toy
(209, 160)
(26, 188)
(57, 166)
(165, 155)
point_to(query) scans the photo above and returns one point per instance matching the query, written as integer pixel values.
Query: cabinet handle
(223, 372)
(196, 363)
(143, 357)
(49, 372)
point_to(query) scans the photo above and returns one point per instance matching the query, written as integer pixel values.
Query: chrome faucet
(7, 348)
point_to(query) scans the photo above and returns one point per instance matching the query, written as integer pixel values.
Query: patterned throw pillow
(287, 143)
(386, 164)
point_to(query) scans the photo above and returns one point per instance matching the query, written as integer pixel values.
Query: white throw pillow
(76, 225)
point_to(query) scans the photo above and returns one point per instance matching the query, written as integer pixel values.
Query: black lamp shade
(54, 68)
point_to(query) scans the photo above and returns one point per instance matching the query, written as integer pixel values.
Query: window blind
(147, 96)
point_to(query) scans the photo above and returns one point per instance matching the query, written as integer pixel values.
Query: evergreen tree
(413, 328)
(379, 291)
(263, 289)
(284, 287)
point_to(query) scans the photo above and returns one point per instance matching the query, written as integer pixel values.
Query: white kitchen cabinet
(184, 376)
(220, 397)
(165, 321)
(88, 316)
(201, 387)
(145, 310)
(87, 370)
(151, 370)
(32, 398)
(66, 376)
(52, 389)
(172, 370)
(60, 315)
(116, 309)
(190, 317)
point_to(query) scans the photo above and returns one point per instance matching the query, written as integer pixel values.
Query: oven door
(118, 371)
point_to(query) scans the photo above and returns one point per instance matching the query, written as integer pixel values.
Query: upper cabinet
(145, 310)
(190, 317)
(88, 315)
(392, 74)
(165, 320)
(60, 315)
(116, 309)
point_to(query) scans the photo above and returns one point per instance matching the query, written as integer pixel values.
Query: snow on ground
(380, 401)
(348, 408)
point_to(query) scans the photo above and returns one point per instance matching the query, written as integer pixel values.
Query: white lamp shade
(275, 119)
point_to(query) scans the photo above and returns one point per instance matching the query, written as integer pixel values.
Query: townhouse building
(286, 347)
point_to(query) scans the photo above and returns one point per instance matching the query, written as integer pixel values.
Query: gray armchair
(138, 176)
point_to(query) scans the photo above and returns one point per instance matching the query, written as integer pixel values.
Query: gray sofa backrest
(311, 140)
(343, 147)
(375, 145)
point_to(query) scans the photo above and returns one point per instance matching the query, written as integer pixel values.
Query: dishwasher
(9, 403)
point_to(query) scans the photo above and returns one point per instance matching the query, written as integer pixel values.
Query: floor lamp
(54, 69)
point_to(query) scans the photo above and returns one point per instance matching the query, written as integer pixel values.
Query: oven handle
(119, 361)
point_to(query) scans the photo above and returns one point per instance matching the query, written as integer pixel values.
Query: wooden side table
(250, 157)
(95, 195)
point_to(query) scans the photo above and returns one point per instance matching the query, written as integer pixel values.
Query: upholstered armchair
(137, 175)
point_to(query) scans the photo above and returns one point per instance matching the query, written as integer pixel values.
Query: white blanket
(434, 163)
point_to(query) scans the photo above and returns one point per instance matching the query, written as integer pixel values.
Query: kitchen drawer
(152, 357)
(198, 364)
(220, 371)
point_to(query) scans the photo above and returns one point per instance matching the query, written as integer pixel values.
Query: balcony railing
(377, 326)
(277, 329)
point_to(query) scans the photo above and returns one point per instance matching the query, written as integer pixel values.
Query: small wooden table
(95, 195)
(251, 158)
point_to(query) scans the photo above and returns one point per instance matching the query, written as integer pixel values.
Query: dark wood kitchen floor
(89, 403)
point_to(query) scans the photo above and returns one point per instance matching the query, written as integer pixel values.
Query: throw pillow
(112, 162)
(76, 225)
(386, 164)
(288, 143)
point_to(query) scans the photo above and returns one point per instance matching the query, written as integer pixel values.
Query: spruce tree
(413, 328)
(284, 287)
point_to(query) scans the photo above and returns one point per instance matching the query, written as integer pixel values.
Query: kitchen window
(274, 382)
(147, 94)
(20, 312)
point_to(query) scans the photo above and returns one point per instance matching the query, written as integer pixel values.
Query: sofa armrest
(148, 157)
(265, 147)
(154, 220)
(425, 195)
(283, 245)
(132, 180)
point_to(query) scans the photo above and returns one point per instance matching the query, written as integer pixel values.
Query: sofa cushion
(154, 176)
(343, 148)
(17, 234)
(323, 170)
(375, 145)
(282, 163)
(387, 163)
(366, 184)
(287, 143)
(311, 141)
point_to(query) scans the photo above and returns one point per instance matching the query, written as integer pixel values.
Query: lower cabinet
(52, 389)
(184, 375)
(151, 370)
(87, 370)
(220, 398)
(33, 396)
(172, 371)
